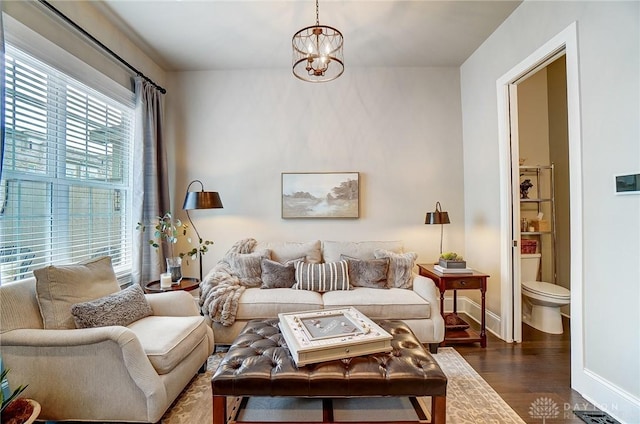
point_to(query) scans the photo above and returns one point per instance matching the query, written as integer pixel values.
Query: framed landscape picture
(320, 195)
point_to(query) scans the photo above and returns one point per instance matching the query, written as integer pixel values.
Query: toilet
(541, 300)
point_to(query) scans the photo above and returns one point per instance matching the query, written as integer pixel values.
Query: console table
(455, 281)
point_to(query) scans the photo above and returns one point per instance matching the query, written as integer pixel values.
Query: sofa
(259, 280)
(92, 352)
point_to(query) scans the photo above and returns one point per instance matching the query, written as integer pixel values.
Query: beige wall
(533, 120)
(559, 155)
(237, 131)
(533, 137)
(609, 104)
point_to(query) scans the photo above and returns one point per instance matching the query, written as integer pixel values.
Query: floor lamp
(200, 200)
(438, 217)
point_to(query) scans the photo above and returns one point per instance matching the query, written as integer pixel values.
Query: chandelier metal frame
(318, 52)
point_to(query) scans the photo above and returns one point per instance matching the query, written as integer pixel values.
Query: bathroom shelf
(543, 179)
(535, 200)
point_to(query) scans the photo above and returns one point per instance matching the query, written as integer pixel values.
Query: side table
(456, 281)
(186, 283)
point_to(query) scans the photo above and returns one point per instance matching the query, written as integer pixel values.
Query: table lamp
(200, 200)
(438, 217)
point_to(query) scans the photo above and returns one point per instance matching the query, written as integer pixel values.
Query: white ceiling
(185, 35)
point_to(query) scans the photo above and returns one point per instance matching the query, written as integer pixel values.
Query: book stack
(444, 270)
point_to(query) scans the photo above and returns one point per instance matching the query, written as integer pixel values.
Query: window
(66, 186)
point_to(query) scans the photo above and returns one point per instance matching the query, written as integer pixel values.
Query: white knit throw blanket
(221, 288)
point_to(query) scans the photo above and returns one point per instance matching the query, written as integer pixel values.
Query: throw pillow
(248, 266)
(58, 287)
(367, 273)
(121, 308)
(276, 275)
(400, 268)
(285, 251)
(322, 277)
(331, 250)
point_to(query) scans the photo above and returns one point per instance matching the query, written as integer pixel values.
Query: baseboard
(613, 400)
(473, 310)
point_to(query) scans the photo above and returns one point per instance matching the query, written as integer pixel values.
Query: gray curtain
(150, 179)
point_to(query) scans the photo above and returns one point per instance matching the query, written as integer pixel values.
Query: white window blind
(66, 186)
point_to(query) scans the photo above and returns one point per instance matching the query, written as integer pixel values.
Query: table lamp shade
(437, 217)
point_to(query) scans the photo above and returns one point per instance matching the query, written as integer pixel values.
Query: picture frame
(320, 195)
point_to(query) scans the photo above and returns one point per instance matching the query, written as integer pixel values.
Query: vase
(174, 267)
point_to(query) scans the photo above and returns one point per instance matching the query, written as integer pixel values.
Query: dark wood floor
(527, 374)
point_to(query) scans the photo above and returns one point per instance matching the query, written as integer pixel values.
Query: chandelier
(317, 52)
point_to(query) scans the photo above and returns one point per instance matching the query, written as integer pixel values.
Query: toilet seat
(542, 288)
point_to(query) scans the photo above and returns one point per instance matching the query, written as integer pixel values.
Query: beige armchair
(112, 373)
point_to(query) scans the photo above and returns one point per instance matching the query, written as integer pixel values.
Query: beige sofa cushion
(260, 303)
(168, 340)
(331, 250)
(381, 304)
(285, 251)
(58, 287)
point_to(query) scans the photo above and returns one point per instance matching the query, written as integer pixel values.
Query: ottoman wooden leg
(438, 409)
(219, 409)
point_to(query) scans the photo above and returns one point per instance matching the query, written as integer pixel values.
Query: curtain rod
(101, 45)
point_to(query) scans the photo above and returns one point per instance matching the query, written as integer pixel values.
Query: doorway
(539, 141)
(565, 43)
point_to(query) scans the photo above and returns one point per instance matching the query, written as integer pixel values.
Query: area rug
(470, 399)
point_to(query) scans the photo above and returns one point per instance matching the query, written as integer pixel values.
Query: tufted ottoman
(258, 363)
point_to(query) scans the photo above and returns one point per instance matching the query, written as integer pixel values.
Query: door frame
(566, 40)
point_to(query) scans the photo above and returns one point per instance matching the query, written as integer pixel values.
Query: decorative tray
(454, 322)
(328, 334)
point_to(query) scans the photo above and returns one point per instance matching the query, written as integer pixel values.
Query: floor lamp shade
(202, 200)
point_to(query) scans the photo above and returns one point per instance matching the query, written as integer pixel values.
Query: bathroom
(544, 210)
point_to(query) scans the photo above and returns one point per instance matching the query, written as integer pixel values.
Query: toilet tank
(529, 266)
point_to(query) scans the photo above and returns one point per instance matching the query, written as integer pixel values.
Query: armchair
(112, 373)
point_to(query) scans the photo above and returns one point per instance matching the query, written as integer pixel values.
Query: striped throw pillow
(322, 277)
